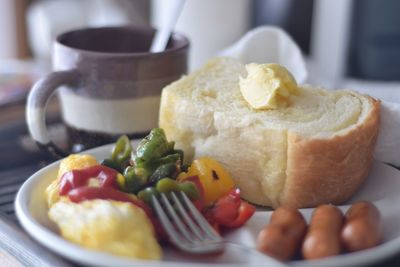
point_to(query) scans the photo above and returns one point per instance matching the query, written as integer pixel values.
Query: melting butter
(267, 86)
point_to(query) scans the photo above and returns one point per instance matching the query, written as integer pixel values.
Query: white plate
(382, 187)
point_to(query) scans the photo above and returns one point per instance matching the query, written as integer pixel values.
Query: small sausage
(362, 228)
(323, 236)
(282, 237)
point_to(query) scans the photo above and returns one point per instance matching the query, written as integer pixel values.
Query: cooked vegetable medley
(135, 176)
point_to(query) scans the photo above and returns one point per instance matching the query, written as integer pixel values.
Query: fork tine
(195, 229)
(182, 228)
(182, 235)
(169, 228)
(200, 220)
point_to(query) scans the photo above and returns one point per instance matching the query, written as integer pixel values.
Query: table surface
(16, 165)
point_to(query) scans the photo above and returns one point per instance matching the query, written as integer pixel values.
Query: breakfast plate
(381, 187)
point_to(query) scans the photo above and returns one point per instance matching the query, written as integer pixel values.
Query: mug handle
(36, 108)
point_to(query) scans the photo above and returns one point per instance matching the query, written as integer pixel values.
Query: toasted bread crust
(329, 170)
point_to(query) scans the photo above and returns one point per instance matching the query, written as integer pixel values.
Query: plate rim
(80, 254)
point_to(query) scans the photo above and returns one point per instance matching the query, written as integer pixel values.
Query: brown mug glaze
(108, 84)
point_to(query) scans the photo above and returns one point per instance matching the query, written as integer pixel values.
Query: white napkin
(271, 44)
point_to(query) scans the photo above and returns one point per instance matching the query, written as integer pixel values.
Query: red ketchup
(77, 178)
(74, 184)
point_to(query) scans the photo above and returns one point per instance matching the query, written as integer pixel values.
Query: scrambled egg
(75, 162)
(111, 226)
(72, 162)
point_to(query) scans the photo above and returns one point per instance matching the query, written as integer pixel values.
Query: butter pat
(267, 86)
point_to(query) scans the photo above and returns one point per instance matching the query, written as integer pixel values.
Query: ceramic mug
(108, 84)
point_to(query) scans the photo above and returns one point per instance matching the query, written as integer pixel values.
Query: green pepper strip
(153, 146)
(133, 182)
(122, 150)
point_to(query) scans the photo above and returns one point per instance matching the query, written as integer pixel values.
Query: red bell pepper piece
(226, 209)
(246, 210)
(230, 211)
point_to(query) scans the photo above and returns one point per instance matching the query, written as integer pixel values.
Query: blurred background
(347, 43)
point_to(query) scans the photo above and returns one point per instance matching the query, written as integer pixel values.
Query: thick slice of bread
(316, 150)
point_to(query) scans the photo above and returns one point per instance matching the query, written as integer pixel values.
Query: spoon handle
(162, 36)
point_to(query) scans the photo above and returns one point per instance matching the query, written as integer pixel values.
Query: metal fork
(186, 227)
(189, 231)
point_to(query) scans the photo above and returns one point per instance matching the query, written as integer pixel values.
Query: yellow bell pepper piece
(214, 178)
